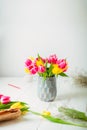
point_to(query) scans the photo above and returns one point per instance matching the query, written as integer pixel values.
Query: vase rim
(47, 77)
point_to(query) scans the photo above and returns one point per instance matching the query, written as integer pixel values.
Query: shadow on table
(13, 122)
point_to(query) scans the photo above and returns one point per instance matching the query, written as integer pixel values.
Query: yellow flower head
(46, 113)
(56, 69)
(17, 105)
(31, 58)
(20, 106)
(39, 62)
(24, 112)
(27, 70)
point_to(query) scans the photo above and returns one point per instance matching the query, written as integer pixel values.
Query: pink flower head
(28, 62)
(34, 70)
(62, 64)
(43, 59)
(52, 59)
(5, 99)
(41, 69)
(1, 96)
(30, 67)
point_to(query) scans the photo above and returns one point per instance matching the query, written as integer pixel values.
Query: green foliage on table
(73, 113)
(58, 120)
(8, 106)
(67, 111)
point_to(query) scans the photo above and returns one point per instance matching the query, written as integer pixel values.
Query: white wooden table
(67, 95)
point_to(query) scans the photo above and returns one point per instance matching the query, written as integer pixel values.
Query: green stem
(60, 121)
(36, 113)
(57, 120)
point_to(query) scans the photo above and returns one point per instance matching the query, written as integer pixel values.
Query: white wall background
(28, 27)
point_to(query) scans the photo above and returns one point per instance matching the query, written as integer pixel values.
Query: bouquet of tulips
(46, 67)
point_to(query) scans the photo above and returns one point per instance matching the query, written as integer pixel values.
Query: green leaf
(61, 121)
(25, 109)
(73, 113)
(50, 70)
(57, 120)
(8, 105)
(63, 74)
(38, 56)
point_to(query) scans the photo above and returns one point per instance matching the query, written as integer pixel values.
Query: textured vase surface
(47, 89)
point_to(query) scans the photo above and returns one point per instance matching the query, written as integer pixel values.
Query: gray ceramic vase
(47, 89)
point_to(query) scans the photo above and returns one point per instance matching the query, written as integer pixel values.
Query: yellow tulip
(26, 70)
(56, 69)
(31, 58)
(46, 113)
(24, 112)
(39, 62)
(17, 105)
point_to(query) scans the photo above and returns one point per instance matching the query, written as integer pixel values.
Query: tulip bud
(5, 99)
(1, 96)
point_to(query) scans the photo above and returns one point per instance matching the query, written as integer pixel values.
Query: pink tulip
(28, 62)
(41, 69)
(62, 64)
(34, 70)
(52, 59)
(30, 67)
(1, 96)
(43, 59)
(5, 99)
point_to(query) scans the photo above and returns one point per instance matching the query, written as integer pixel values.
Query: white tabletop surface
(67, 95)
